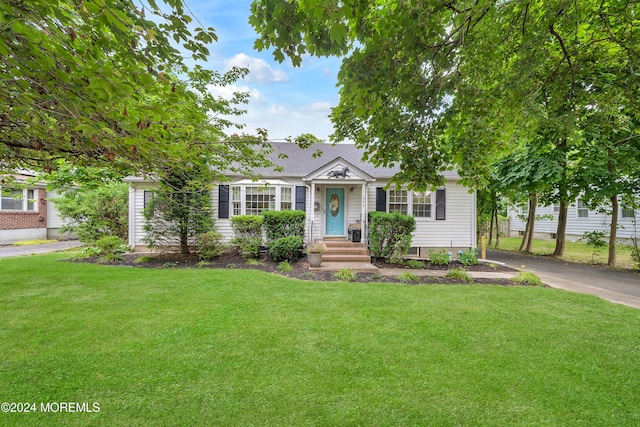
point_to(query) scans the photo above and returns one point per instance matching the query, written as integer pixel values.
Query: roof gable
(333, 170)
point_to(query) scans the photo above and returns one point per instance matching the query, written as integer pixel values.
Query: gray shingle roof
(300, 162)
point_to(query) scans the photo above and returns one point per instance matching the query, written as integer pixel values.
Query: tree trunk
(527, 240)
(562, 227)
(491, 228)
(495, 211)
(184, 239)
(613, 231)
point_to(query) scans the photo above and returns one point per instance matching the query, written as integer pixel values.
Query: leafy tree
(180, 209)
(93, 213)
(99, 81)
(428, 85)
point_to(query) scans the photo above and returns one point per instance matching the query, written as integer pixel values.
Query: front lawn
(239, 347)
(577, 251)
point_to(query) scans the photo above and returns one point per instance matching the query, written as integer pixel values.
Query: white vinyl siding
(458, 230)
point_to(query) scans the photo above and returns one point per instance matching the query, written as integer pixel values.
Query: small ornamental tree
(180, 209)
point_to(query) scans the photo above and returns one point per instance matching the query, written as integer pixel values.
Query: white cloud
(280, 120)
(320, 106)
(226, 92)
(259, 70)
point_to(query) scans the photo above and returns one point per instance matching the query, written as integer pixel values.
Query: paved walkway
(11, 250)
(622, 287)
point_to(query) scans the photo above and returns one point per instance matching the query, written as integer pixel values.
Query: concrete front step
(329, 257)
(365, 267)
(347, 251)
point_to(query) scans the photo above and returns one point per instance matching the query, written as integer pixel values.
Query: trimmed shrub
(95, 212)
(247, 232)
(110, 248)
(286, 248)
(439, 258)
(278, 224)
(468, 257)
(209, 245)
(390, 234)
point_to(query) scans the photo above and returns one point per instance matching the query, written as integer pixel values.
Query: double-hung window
(286, 198)
(583, 210)
(628, 212)
(421, 204)
(398, 201)
(18, 200)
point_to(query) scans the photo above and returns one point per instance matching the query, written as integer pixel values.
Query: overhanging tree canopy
(91, 81)
(426, 84)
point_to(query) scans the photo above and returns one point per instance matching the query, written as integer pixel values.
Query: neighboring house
(27, 213)
(445, 218)
(580, 219)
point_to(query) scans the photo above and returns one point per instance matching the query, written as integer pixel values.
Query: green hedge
(247, 232)
(279, 224)
(390, 234)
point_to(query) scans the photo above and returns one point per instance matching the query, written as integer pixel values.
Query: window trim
(25, 200)
(628, 209)
(410, 202)
(581, 208)
(239, 197)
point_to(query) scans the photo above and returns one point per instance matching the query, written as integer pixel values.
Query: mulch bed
(300, 268)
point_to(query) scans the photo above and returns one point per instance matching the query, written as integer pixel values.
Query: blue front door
(335, 211)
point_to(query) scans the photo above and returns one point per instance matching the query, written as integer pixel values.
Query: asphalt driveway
(614, 285)
(11, 250)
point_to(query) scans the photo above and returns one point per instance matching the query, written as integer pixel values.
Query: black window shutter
(381, 199)
(223, 201)
(441, 205)
(301, 198)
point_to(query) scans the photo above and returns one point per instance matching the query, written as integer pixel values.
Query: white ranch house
(445, 217)
(580, 219)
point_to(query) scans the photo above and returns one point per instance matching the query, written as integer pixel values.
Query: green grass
(528, 278)
(240, 347)
(459, 274)
(574, 251)
(33, 242)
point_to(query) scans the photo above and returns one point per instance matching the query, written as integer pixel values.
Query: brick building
(26, 213)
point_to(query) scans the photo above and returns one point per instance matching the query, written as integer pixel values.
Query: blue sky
(286, 101)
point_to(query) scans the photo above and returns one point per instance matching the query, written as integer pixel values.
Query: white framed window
(398, 201)
(236, 201)
(421, 204)
(524, 209)
(627, 212)
(19, 199)
(286, 198)
(259, 199)
(556, 208)
(583, 210)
